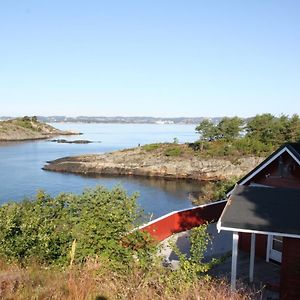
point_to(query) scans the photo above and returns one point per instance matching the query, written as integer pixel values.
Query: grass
(151, 147)
(173, 151)
(232, 151)
(168, 149)
(95, 281)
(30, 123)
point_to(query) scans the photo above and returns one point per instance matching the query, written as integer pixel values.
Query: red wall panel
(290, 270)
(183, 220)
(260, 243)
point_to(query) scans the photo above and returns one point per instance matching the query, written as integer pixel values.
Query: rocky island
(28, 128)
(63, 141)
(156, 160)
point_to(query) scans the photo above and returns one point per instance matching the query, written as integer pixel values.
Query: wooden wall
(179, 221)
(290, 270)
(260, 244)
(282, 172)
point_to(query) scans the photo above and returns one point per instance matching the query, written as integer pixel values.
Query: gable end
(290, 149)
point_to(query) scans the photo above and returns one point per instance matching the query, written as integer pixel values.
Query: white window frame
(272, 253)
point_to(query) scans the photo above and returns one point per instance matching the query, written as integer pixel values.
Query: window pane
(277, 245)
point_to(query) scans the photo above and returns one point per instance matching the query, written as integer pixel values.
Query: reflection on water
(21, 162)
(178, 188)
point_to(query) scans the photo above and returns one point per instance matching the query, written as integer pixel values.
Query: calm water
(21, 174)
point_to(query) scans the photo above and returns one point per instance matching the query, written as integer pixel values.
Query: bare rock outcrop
(155, 163)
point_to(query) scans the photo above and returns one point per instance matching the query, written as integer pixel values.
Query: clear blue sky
(149, 57)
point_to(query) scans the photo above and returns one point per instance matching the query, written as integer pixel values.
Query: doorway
(275, 247)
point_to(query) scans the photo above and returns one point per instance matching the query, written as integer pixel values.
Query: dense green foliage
(96, 226)
(173, 151)
(213, 191)
(258, 136)
(227, 129)
(207, 130)
(97, 223)
(275, 131)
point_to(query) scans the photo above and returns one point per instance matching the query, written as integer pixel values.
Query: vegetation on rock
(27, 128)
(235, 138)
(167, 160)
(151, 147)
(260, 135)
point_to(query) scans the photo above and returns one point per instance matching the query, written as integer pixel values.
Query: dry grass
(95, 281)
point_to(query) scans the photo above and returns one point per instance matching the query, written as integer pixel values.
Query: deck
(266, 275)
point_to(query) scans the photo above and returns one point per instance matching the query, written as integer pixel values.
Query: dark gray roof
(263, 209)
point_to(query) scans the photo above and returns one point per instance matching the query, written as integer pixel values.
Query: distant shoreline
(120, 123)
(122, 120)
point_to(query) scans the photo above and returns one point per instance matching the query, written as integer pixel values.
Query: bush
(192, 268)
(213, 191)
(150, 147)
(222, 187)
(250, 146)
(43, 229)
(173, 151)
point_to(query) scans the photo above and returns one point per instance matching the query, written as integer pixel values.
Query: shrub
(222, 187)
(150, 147)
(43, 229)
(194, 267)
(248, 146)
(213, 191)
(173, 151)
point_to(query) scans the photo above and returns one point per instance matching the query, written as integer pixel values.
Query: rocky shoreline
(140, 162)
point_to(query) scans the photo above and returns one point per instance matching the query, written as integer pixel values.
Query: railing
(182, 220)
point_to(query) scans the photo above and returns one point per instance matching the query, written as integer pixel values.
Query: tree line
(261, 133)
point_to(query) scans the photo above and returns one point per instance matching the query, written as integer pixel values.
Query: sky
(163, 58)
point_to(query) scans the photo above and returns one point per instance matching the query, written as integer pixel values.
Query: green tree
(268, 129)
(230, 128)
(280, 130)
(34, 119)
(261, 128)
(293, 129)
(208, 130)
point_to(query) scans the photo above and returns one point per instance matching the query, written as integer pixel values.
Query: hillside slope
(27, 128)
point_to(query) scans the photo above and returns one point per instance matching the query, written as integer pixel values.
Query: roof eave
(283, 234)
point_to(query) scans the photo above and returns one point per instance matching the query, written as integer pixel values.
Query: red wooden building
(263, 212)
(265, 216)
(281, 169)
